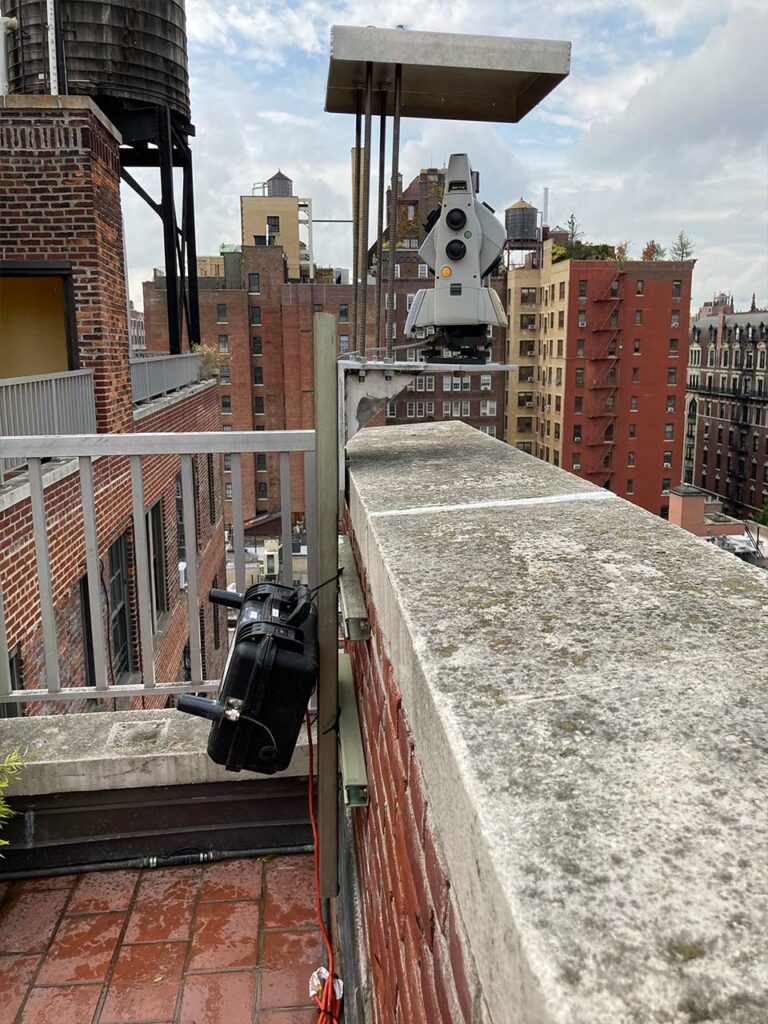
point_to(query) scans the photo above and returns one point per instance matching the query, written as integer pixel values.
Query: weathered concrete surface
(119, 750)
(587, 688)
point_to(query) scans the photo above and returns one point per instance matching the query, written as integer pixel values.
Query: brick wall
(60, 182)
(419, 962)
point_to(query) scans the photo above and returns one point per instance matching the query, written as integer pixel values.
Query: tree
(682, 247)
(10, 766)
(653, 251)
(762, 517)
(621, 251)
(575, 234)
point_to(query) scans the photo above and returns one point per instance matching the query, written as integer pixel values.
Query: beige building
(280, 218)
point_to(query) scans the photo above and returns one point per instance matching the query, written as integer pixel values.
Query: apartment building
(726, 427)
(600, 385)
(65, 368)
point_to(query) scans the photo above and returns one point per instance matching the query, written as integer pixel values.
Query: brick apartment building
(63, 315)
(600, 387)
(259, 321)
(726, 428)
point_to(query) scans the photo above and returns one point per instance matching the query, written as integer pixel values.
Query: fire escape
(602, 381)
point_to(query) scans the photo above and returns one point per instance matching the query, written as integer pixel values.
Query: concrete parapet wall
(582, 689)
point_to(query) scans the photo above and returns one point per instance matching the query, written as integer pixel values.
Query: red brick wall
(418, 959)
(60, 183)
(113, 516)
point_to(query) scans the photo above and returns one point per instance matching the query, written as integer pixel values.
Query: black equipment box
(268, 679)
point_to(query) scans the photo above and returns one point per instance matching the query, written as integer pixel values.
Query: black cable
(319, 586)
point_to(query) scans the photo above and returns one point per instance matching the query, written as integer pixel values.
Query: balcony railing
(158, 375)
(50, 404)
(134, 447)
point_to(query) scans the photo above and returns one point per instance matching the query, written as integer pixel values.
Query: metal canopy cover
(449, 76)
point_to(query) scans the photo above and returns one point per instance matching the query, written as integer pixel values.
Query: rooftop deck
(235, 942)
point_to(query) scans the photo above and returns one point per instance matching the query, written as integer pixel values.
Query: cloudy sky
(661, 125)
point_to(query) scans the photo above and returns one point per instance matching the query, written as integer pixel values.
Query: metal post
(53, 59)
(188, 227)
(393, 212)
(326, 438)
(168, 217)
(356, 216)
(365, 192)
(380, 222)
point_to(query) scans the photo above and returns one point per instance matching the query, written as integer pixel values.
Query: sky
(661, 125)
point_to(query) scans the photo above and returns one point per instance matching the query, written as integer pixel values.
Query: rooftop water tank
(279, 185)
(521, 221)
(120, 52)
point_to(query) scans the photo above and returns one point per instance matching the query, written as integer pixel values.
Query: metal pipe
(356, 213)
(380, 220)
(393, 212)
(53, 61)
(7, 25)
(158, 861)
(365, 209)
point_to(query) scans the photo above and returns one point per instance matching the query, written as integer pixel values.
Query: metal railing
(152, 376)
(53, 403)
(134, 447)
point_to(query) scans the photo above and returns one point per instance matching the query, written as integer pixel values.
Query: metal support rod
(365, 193)
(53, 58)
(356, 214)
(326, 412)
(393, 212)
(168, 216)
(188, 227)
(380, 222)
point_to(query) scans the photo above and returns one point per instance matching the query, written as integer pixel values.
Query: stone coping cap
(30, 101)
(119, 750)
(587, 688)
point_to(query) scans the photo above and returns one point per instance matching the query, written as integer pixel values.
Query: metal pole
(380, 222)
(188, 227)
(356, 214)
(168, 217)
(53, 61)
(365, 209)
(393, 213)
(326, 454)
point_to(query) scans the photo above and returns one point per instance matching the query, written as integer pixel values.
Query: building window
(632, 430)
(397, 271)
(630, 458)
(577, 434)
(527, 321)
(258, 375)
(273, 224)
(580, 343)
(673, 347)
(636, 347)
(221, 313)
(228, 491)
(582, 318)
(224, 375)
(256, 349)
(633, 403)
(582, 289)
(258, 405)
(255, 316)
(675, 318)
(669, 431)
(391, 410)
(578, 404)
(223, 343)
(635, 374)
(668, 460)
(253, 284)
(317, 307)
(640, 288)
(227, 463)
(344, 343)
(261, 490)
(410, 212)
(638, 317)
(485, 382)
(211, 488)
(488, 407)
(630, 487)
(430, 383)
(672, 376)
(120, 633)
(561, 292)
(579, 376)
(677, 287)
(261, 462)
(344, 313)
(410, 409)
(226, 405)
(671, 403)
(393, 297)
(423, 271)
(576, 460)
(409, 301)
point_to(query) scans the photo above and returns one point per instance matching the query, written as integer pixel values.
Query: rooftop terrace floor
(233, 942)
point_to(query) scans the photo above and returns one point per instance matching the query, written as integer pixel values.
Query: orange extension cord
(328, 1005)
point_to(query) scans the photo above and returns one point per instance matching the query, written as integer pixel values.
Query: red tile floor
(229, 943)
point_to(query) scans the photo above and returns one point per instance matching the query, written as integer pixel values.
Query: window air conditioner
(667, 465)
(577, 466)
(183, 575)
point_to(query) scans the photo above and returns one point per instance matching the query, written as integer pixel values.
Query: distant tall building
(136, 336)
(726, 444)
(600, 385)
(278, 217)
(721, 303)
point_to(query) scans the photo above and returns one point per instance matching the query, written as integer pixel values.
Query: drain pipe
(7, 25)
(172, 860)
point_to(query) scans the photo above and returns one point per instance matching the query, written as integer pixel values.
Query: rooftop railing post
(326, 475)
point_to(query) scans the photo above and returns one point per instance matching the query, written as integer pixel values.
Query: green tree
(762, 517)
(621, 251)
(10, 766)
(653, 251)
(682, 247)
